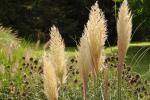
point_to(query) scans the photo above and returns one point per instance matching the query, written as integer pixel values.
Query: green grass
(71, 51)
(138, 57)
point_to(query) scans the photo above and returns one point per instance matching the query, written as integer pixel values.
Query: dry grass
(50, 80)
(57, 54)
(124, 29)
(54, 65)
(96, 34)
(91, 55)
(84, 62)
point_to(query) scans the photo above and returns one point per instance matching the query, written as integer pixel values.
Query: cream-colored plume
(91, 56)
(50, 80)
(124, 29)
(84, 62)
(96, 35)
(57, 54)
(84, 58)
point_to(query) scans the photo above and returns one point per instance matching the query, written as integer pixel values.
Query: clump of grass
(7, 37)
(8, 42)
(91, 55)
(124, 29)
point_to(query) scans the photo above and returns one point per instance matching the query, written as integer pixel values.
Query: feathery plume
(57, 54)
(84, 62)
(91, 55)
(124, 29)
(96, 34)
(50, 80)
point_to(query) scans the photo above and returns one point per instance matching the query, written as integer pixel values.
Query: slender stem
(94, 85)
(105, 85)
(84, 89)
(119, 81)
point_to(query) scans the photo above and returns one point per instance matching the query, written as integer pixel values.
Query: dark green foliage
(141, 21)
(32, 19)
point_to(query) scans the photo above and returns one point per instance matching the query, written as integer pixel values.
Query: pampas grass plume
(57, 54)
(124, 29)
(50, 80)
(91, 55)
(96, 33)
(84, 62)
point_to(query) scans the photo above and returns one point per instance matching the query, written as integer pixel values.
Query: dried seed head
(70, 67)
(91, 49)
(31, 59)
(50, 80)
(124, 29)
(77, 72)
(96, 36)
(72, 60)
(75, 81)
(57, 54)
(23, 58)
(137, 76)
(35, 62)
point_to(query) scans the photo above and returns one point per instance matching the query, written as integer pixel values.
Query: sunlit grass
(136, 58)
(140, 65)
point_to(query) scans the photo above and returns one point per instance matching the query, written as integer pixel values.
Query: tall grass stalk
(105, 84)
(54, 65)
(124, 29)
(91, 49)
(84, 62)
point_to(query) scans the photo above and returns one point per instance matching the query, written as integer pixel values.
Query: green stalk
(119, 81)
(94, 85)
(84, 90)
(105, 84)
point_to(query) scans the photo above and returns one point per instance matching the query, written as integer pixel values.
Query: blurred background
(31, 19)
